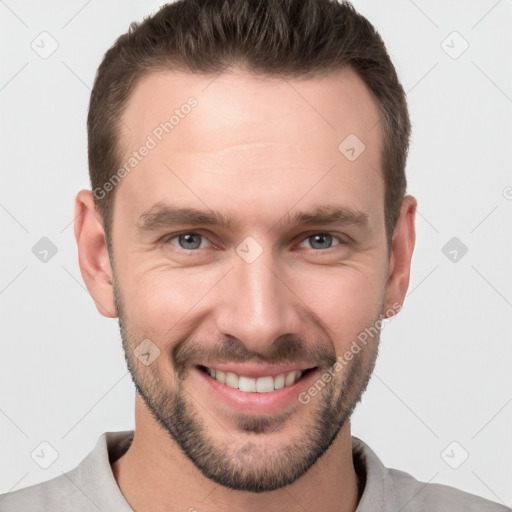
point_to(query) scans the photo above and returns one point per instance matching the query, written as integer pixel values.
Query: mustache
(285, 349)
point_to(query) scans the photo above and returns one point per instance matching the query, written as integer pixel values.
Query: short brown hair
(289, 38)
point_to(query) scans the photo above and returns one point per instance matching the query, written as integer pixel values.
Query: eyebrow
(162, 216)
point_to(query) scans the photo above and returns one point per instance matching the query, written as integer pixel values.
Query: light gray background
(444, 369)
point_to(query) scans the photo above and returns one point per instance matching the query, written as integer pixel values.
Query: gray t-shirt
(91, 486)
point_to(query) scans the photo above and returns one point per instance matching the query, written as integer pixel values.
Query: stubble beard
(253, 466)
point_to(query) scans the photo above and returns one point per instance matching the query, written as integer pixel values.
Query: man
(248, 224)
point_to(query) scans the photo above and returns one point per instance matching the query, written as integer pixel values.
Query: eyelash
(167, 240)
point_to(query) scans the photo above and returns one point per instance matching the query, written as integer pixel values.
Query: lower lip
(256, 403)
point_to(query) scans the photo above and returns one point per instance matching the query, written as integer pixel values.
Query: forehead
(336, 102)
(269, 137)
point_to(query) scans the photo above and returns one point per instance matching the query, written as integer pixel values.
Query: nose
(258, 303)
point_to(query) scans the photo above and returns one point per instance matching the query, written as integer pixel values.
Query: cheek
(166, 305)
(347, 300)
(162, 304)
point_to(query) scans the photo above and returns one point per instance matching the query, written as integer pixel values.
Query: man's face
(275, 292)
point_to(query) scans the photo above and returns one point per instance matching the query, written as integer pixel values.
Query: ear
(93, 254)
(402, 247)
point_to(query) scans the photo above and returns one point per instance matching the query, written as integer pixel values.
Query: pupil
(188, 241)
(321, 239)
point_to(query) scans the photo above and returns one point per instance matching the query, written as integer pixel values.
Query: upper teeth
(261, 385)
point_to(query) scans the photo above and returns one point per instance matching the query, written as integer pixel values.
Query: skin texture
(257, 149)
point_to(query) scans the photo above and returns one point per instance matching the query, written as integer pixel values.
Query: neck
(154, 475)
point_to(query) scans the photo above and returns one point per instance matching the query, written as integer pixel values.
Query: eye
(188, 241)
(191, 241)
(321, 241)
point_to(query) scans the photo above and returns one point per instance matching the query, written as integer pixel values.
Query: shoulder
(55, 495)
(416, 496)
(388, 490)
(90, 486)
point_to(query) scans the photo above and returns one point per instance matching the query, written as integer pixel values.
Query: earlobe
(93, 254)
(402, 247)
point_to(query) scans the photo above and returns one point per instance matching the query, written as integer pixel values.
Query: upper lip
(255, 370)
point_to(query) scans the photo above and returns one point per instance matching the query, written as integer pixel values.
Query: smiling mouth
(263, 384)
